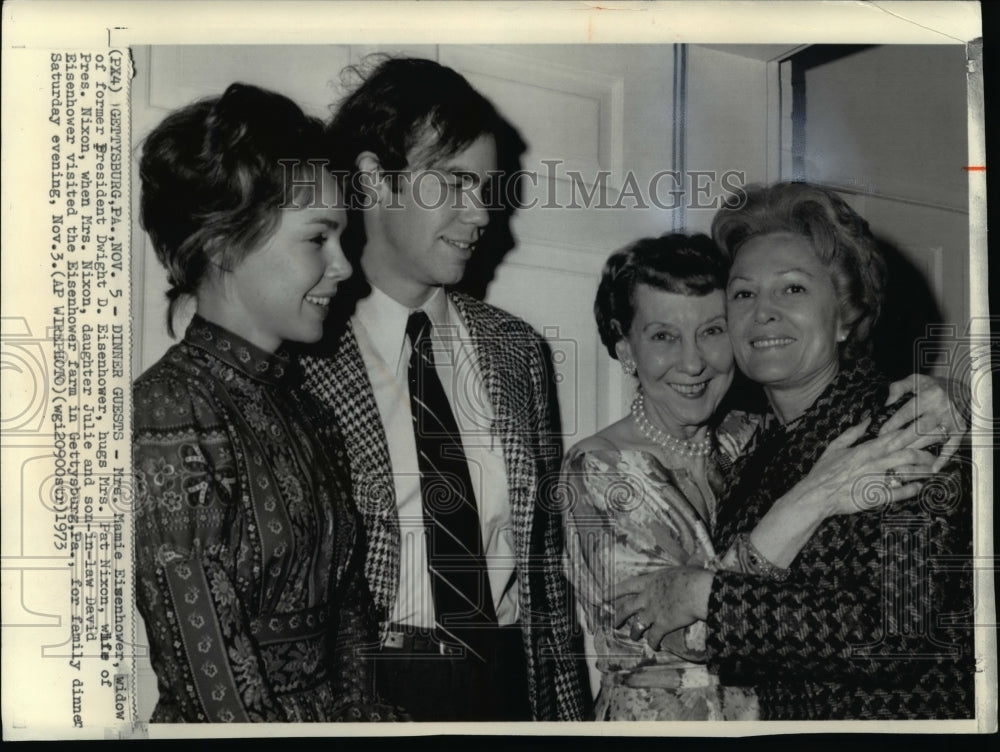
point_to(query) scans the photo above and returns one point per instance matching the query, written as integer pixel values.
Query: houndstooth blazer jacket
(873, 621)
(513, 360)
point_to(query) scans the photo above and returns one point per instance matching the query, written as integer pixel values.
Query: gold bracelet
(753, 561)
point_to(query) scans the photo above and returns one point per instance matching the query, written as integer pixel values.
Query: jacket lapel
(341, 382)
(500, 363)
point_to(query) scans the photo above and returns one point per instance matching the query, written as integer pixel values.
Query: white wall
(728, 118)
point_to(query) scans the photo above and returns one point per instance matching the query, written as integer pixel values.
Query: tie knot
(416, 326)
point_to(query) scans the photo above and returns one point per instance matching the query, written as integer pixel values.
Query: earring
(628, 366)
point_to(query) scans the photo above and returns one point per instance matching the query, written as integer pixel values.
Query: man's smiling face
(422, 236)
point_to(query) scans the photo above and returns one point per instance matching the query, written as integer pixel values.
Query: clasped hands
(660, 602)
(899, 454)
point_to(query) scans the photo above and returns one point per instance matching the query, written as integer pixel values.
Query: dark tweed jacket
(515, 367)
(873, 621)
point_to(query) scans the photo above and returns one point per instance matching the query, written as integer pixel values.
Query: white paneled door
(886, 127)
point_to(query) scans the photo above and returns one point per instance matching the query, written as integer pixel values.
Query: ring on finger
(892, 478)
(942, 428)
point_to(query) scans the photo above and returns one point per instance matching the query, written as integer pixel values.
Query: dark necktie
(463, 602)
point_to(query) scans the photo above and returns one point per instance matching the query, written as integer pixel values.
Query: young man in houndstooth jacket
(421, 146)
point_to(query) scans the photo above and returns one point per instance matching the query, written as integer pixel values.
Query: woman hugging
(735, 566)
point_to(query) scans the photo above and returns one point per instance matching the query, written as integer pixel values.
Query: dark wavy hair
(677, 263)
(214, 175)
(411, 113)
(404, 104)
(839, 236)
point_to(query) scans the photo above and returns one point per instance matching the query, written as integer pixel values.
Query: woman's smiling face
(282, 289)
(682, 352)
(783, 314)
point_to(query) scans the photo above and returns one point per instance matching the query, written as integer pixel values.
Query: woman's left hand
(662, 601)
(930, 412)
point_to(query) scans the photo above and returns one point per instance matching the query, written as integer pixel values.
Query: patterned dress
(629, 512)
(248, 550)
(874, 619)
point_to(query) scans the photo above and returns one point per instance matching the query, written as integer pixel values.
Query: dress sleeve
(624, 519)
(883, 596)
(187, 534)
(735, 433)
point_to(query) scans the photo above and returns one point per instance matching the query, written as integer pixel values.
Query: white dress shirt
(380, 327)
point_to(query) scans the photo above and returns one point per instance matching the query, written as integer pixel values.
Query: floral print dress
(631, 512)
(248, 551)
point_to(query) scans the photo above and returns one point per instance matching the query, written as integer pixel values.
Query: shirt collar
(384, 320)
(271, 368)
(436, 308)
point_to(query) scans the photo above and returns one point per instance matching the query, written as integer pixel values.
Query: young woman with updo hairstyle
(249, 552)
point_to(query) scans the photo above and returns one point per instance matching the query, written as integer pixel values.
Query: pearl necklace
(664, 440)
